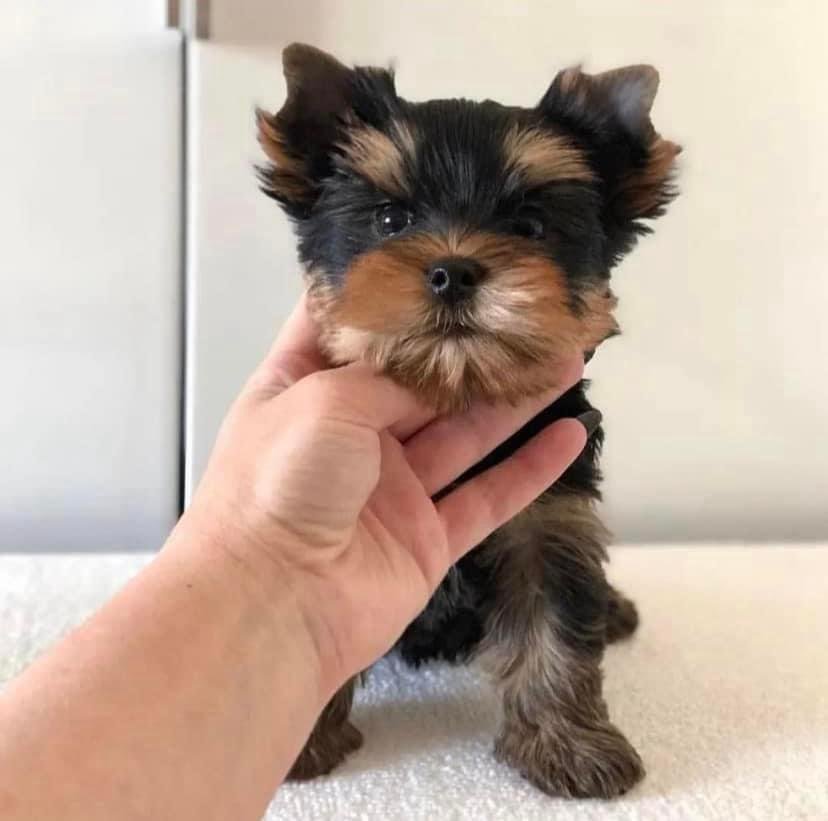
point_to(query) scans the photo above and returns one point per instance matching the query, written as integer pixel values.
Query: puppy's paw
(324, 752)
(572, 761)
(415, 655)
(453, 640)
(622, 617)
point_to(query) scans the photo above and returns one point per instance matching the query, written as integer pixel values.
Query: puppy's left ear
(610, 114)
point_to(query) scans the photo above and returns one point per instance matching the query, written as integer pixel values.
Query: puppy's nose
(454, 279)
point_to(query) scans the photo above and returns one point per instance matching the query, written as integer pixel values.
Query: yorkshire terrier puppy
(464, 249)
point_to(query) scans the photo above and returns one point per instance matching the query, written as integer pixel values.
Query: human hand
(321, 483)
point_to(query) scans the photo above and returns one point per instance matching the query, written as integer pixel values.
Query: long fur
(541, 203)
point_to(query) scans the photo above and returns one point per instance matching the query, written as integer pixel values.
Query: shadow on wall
(273, 22)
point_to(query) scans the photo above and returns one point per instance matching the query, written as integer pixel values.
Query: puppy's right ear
(324, 97)
(298, 138)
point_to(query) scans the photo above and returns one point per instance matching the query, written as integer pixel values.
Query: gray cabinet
(90, 280)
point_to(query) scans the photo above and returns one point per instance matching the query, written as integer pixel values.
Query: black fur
(458, 176)
(346, 153)
(452, 625)
(458, 170)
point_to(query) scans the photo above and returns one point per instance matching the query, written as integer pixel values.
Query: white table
(724, 691)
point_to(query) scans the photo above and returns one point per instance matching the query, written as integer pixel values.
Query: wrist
(274, 600)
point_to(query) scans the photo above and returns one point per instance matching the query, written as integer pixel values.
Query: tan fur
(574, 517)
(542, 158)
(572, 80)
(331, 740)
(518, 554)
(380, 157)
(642, 191)
(622, 617)
(555, 728)
(522, 325)
(595, 314)
(547, 607)
(287, 176)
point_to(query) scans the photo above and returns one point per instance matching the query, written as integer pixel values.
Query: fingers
(401, 507)
(293, 355)
(479, 507)
(403, 430)
(448, 447)
(352, 393)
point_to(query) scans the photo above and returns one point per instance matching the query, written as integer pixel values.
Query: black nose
(454, 279)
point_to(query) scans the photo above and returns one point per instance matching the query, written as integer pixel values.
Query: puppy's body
(464, 249)
(453, 624)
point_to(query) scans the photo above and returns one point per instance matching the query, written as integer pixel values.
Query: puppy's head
(463, 248)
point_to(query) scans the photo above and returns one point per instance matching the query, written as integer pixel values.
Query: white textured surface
(724, 691)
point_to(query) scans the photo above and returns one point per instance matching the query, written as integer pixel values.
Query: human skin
(310, 544)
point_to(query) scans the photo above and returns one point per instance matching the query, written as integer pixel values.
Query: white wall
(715, 398)
(90, 184)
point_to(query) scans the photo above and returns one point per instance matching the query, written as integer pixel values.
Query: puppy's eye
(391, 219)
(529, 225)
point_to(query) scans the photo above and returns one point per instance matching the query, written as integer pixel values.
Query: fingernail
(590, 420)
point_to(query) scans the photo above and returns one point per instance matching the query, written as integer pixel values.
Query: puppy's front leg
(544, 643)
(331, 740)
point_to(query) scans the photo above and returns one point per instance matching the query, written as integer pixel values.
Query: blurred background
(143, 275)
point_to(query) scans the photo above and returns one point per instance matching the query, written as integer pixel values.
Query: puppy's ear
(612, 102)
(610, 113)
(324, 98)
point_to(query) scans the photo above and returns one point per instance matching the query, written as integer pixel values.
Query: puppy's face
(463, 248)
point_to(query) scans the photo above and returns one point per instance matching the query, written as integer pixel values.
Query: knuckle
(289, 368)
(320, 392)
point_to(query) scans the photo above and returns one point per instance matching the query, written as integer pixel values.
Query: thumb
(356, 395)
(294, 355)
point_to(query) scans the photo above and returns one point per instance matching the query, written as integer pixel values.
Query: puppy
(465, 249)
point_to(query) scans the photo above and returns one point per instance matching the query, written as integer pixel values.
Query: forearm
(187, 696)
